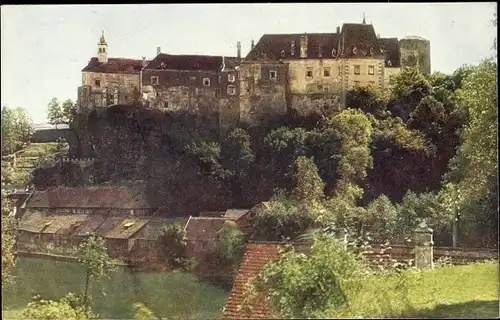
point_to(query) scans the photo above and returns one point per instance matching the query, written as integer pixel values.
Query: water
(170, 295)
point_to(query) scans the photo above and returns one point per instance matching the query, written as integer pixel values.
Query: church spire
(102, 47)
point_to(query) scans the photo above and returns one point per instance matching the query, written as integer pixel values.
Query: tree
(17, 129)
(67, 308)
(68, 111)
(237, 152)
(300, 286)
(172, 245)
(93, 254)
(309, 188)
(231, 241)
(368, 99)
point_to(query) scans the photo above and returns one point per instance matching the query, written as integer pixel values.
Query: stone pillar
(423, 247)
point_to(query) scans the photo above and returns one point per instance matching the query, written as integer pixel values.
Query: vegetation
(61, 113)
(17, 128)
(172, 246)
(93, 254)
(69, 307)
(172, 295)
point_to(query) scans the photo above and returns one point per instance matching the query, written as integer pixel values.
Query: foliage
(368, 99)
(380, 218)
(8, 243)
(304, 286)
(281, 222)
(309, 185)
(61, 113)
(141, 312)
(17, 128)
(237, 152)
(172, 245)
(408, 87)
(67, 308)
(94, 256)
(208, 157)
(231, 241)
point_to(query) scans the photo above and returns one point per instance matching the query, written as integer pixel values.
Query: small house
(202, 234)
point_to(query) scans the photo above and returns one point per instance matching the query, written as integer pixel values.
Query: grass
(171, 295)
(469, 291)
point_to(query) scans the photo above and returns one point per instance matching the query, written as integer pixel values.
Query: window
(157, 93)
(217, 92)
(219, 79)
(154, 80)
(356, 83)
(292, 48)
(357, 69)
(309, 72)
(371, 70)
(340, 70)
(283, 53)
(326, 72)
(97, 83)
(272, 74)
(334, 53)
(230, 77)
(326, 89)
(206, 82)
(231, 90)
(389, 63)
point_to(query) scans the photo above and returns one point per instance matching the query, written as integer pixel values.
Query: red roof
(110, 197)
(115, 65)
(255, 258)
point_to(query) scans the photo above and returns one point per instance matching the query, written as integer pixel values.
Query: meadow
(171, 295)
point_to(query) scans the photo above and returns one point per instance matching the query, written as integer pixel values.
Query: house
(108, 201)
(311, 72)
(145, 241)
(202, 234)
(107, 81)
(244, 222)
(87, 227)
(255, 258)
(117, 233)
(37, 230)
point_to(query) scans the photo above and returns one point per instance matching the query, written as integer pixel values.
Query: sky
(45, 47)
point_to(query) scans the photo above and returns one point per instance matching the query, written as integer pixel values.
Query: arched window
(355, 50)
(372, 51)
(334, 52)
(283, 53)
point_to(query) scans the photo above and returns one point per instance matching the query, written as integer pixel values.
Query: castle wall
(416, 53)
(388, 72)
(263, 89)
(195, 92)
(300, 83)
(111, 88)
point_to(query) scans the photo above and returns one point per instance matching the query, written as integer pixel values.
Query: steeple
(102, 49)
(364, 18)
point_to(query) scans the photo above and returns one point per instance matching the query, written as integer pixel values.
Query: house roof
(58, 222)
(37, 222)
(190, 62)
(255, 258)
(110, 197)
(114, 65)
(154, 228)
(125, 228)
(89, 225)
(235, 214)
(320, 45)
(215, 214)
(273, 46)
(259, 208)
(360, 36)
(391, 48)
(33, 221)
(203, 228)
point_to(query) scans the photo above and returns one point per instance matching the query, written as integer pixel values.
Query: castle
(282, 74)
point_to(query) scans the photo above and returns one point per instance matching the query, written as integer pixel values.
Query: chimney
(338, 29)
(238, 50)
(252, 45)
(378, 35)
(303, 46)
(158, 50)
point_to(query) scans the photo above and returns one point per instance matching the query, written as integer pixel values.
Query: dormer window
(389, 63)
(372, 51)
(283, 53)
(206, 82)
(162, 65)
(231, 90)
(320, 51)
(154, 81)
(231, 77)
(292, 48)
(197, 66)
(334, 52)
(355, 51)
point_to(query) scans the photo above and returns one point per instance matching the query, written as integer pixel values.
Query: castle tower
(416, 52)
(102, 47)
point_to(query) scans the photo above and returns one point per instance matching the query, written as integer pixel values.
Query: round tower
(416, 52)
